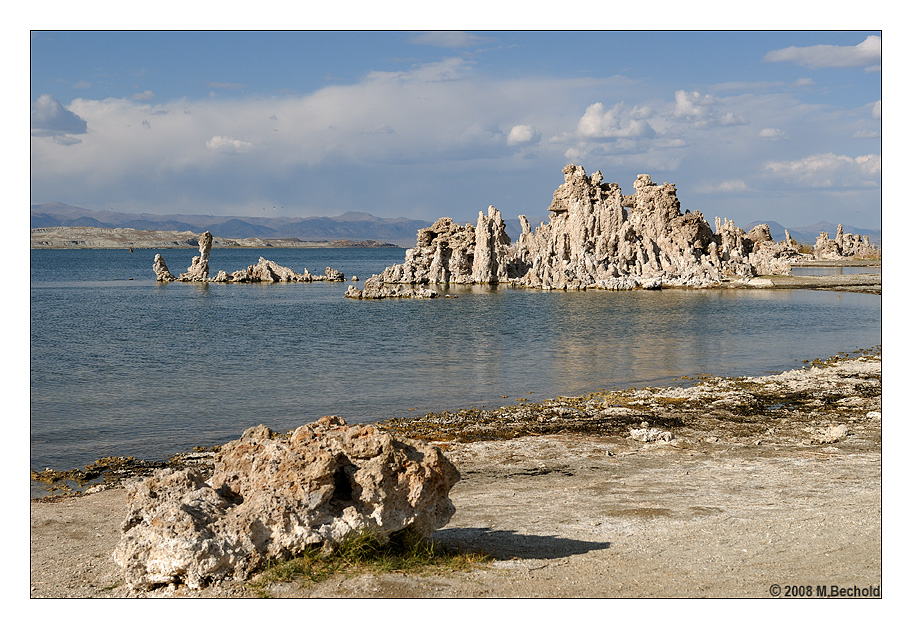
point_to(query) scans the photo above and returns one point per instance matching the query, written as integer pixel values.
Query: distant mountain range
(808, 234)
(348, 226)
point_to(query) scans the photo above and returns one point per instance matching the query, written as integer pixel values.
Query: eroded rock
(844, 246)
(273, 496)
(374, 288)
(596, 237)
(162, 274)
(198, 271)
(264, 271)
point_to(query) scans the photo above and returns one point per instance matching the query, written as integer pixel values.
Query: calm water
(806, 271)
(121, 365)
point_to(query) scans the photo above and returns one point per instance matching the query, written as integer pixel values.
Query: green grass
(367, 553)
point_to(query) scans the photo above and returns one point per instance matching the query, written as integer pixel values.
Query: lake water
(807, 271)
(123, 365)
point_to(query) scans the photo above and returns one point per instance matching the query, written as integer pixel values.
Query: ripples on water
(130, 367)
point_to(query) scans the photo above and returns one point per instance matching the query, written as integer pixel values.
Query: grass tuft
(367, 552)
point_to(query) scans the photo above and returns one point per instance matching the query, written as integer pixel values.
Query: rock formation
(375, 289)
(263, 271)
(199, 267)
(272, 496)
(596, 237)
(162, 274)
(844, 246)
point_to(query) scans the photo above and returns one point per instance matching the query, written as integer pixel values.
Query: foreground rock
(596, 237)
(265, 271)
(271, 496)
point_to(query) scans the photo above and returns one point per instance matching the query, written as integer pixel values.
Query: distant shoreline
(127, 238)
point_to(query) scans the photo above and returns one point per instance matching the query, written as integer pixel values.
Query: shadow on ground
(512, 545)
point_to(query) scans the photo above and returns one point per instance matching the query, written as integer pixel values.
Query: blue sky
(750, 125)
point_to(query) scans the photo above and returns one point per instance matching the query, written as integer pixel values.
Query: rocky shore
(720, 487)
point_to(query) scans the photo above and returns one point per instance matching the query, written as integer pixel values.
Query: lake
(123, 365)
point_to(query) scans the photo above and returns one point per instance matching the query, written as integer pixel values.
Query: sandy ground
(707, 514)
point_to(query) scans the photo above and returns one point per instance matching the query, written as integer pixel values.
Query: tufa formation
(272, 496)
(596, 237)
(263, 271)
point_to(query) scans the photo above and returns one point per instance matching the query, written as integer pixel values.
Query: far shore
(125, 238)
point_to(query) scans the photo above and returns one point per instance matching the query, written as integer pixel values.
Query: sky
(750, 125)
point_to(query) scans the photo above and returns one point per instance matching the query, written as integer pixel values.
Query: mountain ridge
(348, 225)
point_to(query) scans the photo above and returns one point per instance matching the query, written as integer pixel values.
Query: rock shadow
(504, 545)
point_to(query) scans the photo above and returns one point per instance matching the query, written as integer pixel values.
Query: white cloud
(50, 118)
(692, 105)
(828, 170)
(450, 69)
(875, 110)
(729, 119)
(617, 122)
(228, 145)
(867, 53)
(772, 134)
(730, 185)
(147, 95)
(523, 134)
(702, 110)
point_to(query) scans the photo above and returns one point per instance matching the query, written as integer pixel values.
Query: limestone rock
(263, 271)
(844, 246)
(273, 496)
(596, 237)
(199, 268)
(162, 274)
(374, 288)
(649, 435)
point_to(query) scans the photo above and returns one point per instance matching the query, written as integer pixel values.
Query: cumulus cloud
(617, 122)
(431, 114)
(867, 53)
(729, 119)
(875, 110)
(50, 118)
(228, 145)
(772, 134)
(147, 95)
(692, 104)
(523, 134)
(828, 170)
(702, 111)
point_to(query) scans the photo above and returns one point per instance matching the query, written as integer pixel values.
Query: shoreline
(758, 481)
(577, 414)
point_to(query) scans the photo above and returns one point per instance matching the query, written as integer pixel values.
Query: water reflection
(146, 369)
